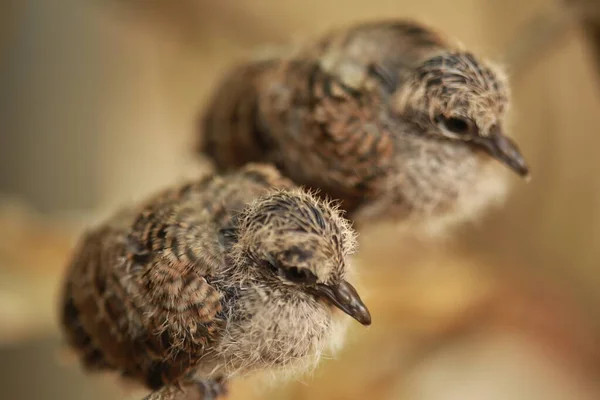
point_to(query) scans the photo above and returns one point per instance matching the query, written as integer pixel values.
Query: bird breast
(442, 183)
(282, 330)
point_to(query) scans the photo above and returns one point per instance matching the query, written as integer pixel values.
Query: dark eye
(272, 265)
(299, 275)
(454, 125)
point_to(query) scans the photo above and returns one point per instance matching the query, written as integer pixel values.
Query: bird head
(455, 97)
(292, 239)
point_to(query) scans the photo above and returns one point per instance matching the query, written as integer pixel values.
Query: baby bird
(212, 279)
(389, 117)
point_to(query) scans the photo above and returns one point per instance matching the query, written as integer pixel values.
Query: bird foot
(209, 389)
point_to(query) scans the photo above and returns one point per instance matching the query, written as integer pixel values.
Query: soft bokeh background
(97, 108)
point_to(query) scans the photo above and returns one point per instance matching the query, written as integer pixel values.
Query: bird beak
(503, 149)
(345, 297)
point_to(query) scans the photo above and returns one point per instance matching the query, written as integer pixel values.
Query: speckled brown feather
(333, 138)
(339, 114)
(158, 294)
(136, 298)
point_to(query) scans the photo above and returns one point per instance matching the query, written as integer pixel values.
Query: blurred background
(98, 107)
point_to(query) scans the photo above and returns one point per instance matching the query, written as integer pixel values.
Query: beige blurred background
(98, 106)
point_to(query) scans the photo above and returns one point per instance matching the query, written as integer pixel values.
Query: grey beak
(345, 297)
(503, 149)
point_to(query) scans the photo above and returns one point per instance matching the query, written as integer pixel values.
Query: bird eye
(299, 275)
(272, 265)
(454, 125)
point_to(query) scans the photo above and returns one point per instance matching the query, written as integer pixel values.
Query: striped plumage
(190, 282)
(359, 114)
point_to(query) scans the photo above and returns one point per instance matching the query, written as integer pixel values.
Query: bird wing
(329, 135)
(327, 106)
(137, 297)
(320, 114)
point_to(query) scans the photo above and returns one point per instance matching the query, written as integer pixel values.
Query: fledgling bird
(218, 277)
(389, 117)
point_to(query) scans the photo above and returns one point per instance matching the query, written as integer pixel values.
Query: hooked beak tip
(505, 150)
(520, 167)
(345, 297)
(363, 316)
(366, 321)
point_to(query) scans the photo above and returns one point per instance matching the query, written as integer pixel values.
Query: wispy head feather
(456, 84)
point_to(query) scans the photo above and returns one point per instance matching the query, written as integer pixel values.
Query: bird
(394, 119)
(209, 279)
